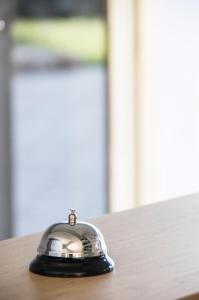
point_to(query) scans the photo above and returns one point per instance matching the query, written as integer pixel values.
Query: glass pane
(58, 111)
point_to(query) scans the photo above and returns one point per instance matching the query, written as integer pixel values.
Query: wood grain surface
(155, 249)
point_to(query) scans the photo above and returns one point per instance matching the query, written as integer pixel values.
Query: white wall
(175, 83)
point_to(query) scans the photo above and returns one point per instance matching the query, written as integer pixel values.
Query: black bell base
(71, 267)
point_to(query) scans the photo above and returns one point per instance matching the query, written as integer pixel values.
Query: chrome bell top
(72, 239)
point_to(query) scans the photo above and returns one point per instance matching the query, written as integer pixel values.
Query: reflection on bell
(71, 249)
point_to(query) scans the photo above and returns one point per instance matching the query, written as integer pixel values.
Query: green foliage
(84, 38)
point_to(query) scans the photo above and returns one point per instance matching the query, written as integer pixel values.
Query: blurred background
(99, 106)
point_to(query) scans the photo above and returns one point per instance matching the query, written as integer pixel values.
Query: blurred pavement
(58, 145)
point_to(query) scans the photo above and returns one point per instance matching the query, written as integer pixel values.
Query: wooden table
(155, 249)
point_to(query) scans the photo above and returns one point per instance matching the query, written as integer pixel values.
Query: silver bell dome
(71, 249)
(72, 239)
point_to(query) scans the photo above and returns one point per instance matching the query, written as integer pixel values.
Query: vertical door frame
(6, 14)
(130, 113)
(121, 111)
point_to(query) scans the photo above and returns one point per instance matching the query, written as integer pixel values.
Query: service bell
(71, 249)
